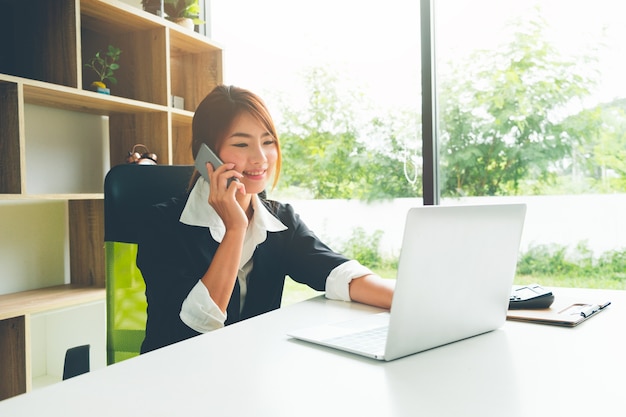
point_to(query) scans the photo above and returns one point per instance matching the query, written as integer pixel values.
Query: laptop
(454, 281)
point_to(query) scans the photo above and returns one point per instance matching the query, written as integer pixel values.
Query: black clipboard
(564, 312)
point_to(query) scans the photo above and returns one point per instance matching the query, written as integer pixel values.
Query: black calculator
(532, 296)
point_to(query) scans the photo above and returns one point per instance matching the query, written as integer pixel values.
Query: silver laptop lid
(455, 273)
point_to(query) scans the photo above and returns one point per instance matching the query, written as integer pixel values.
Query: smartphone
(205, 154)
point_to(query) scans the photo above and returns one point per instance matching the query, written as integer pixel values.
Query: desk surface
(254, 369)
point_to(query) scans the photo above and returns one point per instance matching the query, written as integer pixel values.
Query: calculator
(532, 296)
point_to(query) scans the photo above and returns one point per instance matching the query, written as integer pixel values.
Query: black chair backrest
(130, 189)
(76, 361)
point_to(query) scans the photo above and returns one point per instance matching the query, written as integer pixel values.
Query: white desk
(253, 369)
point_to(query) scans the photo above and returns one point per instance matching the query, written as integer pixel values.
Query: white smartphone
(205, 154)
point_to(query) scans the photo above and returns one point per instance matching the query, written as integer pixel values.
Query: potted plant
(184, 12)
(104, 66)
(152, 6)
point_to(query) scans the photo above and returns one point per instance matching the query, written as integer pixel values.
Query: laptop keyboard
(370, 340)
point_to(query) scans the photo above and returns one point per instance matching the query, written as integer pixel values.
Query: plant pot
(185, 22)
(100, 87)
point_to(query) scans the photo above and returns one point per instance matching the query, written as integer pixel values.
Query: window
(530, 107)
(342, 80)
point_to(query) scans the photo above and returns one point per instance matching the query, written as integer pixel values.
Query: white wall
(53, 332)
(567, 220)
(33, 242)
(136, 3)
(66, 152)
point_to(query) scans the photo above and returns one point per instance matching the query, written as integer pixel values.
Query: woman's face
(252, 149)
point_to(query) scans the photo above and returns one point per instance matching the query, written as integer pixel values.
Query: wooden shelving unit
(41, 64)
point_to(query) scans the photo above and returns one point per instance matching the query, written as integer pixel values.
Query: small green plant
(105, 65)
(189, 9)
(364, 247)
(560, 265)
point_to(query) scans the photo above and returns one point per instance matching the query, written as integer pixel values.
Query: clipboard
(564, 312)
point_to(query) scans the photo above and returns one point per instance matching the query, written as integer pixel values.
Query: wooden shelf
(106, 16)
(84, 101)
(41, 44)
(42, 71)
(45, 299)
(15, 319)
(67, 98)
(61, 197)
(181, 117)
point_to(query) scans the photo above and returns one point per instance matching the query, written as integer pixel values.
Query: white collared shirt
(199, 311)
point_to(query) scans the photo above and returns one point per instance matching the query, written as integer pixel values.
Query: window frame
(430, 160)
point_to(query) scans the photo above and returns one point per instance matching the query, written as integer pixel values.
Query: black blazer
(173, 256)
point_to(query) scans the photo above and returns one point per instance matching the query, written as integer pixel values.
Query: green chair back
(126, 306)
(128, 191)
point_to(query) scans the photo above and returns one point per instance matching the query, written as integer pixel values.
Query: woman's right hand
(222, 196)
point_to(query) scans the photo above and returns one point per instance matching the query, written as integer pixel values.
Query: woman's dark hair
(216, 113)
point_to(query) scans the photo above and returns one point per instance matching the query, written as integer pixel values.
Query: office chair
(76, 361)
(128, 191)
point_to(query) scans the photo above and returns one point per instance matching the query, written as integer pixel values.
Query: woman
(220, 253)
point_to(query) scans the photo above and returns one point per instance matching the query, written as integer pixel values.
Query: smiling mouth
(254, 174)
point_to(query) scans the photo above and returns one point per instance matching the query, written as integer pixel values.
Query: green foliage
(363, 247)
(105, 65)
(332, 153)
(509, 125)
(557, 264)
(498, 109)
(189, 9)
(545, 260)
(599, 158)
(550, 265)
